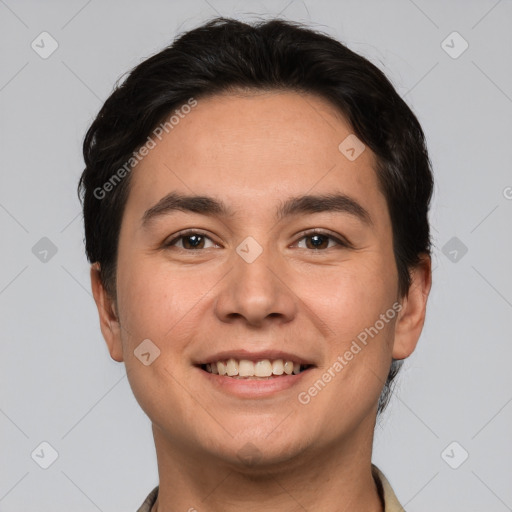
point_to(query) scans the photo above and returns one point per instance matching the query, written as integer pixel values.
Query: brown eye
(321, 241)
(189, 241)
(318, 241)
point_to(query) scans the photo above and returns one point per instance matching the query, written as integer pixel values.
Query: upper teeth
(245, 368)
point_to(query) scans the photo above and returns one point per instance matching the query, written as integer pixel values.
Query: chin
(259, 451)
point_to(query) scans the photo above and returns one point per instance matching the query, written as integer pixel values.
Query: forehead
(250, 147)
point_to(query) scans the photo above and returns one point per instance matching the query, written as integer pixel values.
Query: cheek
(154, 299)
(353, 297)
(159, 305)
(358, 347)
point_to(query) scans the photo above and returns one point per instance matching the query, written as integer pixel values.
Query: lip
(253, 356)
(249, 388)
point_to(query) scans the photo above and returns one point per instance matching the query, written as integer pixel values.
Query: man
(255, 207)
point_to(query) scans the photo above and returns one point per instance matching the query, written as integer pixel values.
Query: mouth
(261, 369)
(254, 375)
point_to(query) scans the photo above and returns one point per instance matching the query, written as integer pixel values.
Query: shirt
(386, 493)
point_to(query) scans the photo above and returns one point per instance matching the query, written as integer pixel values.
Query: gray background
(58, 383)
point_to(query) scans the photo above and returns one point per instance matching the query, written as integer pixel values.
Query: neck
(335, 478)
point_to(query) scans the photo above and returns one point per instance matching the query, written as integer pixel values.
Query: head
(247, 118)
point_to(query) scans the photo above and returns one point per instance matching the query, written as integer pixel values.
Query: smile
(261, 369)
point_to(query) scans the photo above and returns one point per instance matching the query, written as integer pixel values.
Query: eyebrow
(206, 205)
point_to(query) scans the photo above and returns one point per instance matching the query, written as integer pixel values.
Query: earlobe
(109, 322)
(411, 318)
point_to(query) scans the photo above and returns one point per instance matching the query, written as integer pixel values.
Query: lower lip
(253, 388)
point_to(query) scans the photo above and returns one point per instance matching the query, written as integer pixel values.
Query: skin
(253, 151)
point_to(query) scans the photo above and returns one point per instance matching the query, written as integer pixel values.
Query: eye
(190, 240)
(320, 240)
(196, 240)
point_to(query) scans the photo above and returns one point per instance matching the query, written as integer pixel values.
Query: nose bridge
(254, 290)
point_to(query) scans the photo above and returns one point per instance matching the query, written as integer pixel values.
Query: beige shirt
(391, 503)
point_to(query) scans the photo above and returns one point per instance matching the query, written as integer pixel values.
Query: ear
(109, 322)
(411, 317)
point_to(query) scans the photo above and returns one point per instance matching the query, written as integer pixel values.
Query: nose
(256, 292)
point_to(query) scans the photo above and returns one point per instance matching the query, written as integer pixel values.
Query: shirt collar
(391, 503)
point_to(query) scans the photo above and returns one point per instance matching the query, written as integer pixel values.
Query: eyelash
(185, 234)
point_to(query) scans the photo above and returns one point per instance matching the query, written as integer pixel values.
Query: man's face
(250, 285)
